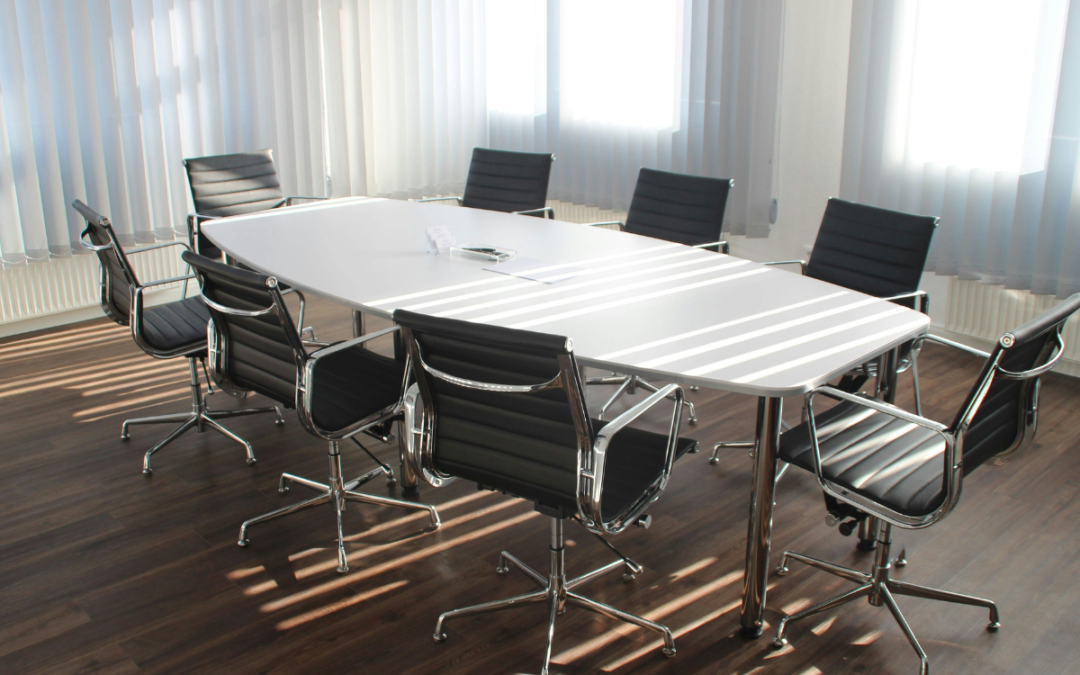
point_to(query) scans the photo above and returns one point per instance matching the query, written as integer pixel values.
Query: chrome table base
(556, 591)
(337, 494)
(628, 384)
(200, 419)
(878, 588)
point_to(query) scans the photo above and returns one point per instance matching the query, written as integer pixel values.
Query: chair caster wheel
(125, 437)
(714, 461)
(283, 491)
(500, 570)
(779, 643)
(627, 577)
(148, 471)
(279, 423)
(391, 481)
(692, 420)
(251, 461)
(342, 570)
(439, 637)
(243, 543)
(667, 652)
(993, 626)
(781, 570)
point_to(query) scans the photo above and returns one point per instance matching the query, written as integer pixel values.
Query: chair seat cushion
(172, 326)
(635, 461)
(895, 463)
(352, 384)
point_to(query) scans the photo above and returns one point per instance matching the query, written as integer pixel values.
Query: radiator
(984, 312)
(63, 285)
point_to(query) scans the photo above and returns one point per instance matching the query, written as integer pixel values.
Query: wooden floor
(103, 570)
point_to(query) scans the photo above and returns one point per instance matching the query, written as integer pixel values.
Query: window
(619, 61)
(516, 34)
(981, 84)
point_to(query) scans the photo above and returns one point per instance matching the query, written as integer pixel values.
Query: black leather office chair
(908, 471)
(511, 182)
(505, 408)
(164, 331)
(674, 207)
(229, 185)
(877, 252)
(338, 392)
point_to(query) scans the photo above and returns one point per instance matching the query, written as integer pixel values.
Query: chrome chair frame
(877, 586)
(555, 588)
(201, 417)
(336, 491)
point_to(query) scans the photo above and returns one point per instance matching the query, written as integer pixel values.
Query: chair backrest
(500, 180)
(999, 415)
(259, 349)
(117, 276)
(228, 185)
(874, 251)
(677, 207)
(522, 443)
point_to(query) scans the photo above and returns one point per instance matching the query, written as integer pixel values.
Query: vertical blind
(101, 100)
(970, 110)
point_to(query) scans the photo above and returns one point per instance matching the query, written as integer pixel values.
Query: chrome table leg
(759, 536)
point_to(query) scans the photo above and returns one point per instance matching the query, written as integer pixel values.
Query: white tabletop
(635, 304)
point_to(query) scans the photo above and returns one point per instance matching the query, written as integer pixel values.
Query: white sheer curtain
(970, 110)
(101, 101)
(679, 85)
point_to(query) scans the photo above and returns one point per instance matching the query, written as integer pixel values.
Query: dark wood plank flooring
(103, 570)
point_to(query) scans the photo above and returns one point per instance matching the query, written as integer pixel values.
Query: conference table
(631, 304)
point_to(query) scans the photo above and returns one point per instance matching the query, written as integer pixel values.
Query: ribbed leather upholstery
(874, 251)
(351, 384)
(901, 465)
(166, 329)
(120, 276)
(677, 207)
(522, 444)
(260, 356)
(263, 354)
(895, 463)
(228, 185)
(175, 324)
(507, 181)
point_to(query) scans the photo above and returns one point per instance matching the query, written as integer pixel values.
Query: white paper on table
(535, 270)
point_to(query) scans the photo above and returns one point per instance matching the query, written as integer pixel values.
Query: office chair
(506, 408)
(673, 207)
(873, 251)
(229, 185)
(164, 331)
(338, 392)
(908, 471)
(511, 182)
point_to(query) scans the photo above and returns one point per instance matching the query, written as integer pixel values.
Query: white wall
(813, 94)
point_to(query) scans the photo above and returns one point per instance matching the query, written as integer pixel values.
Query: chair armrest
(950, 343)
(440, 199)
(952, 475)
(879, 406)
(161, 282)
(591, 482)
(923, 296)
(547, 210)
(157, 246)
(800, 263)
(620, 223)
(349, 344)
(289, 200)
